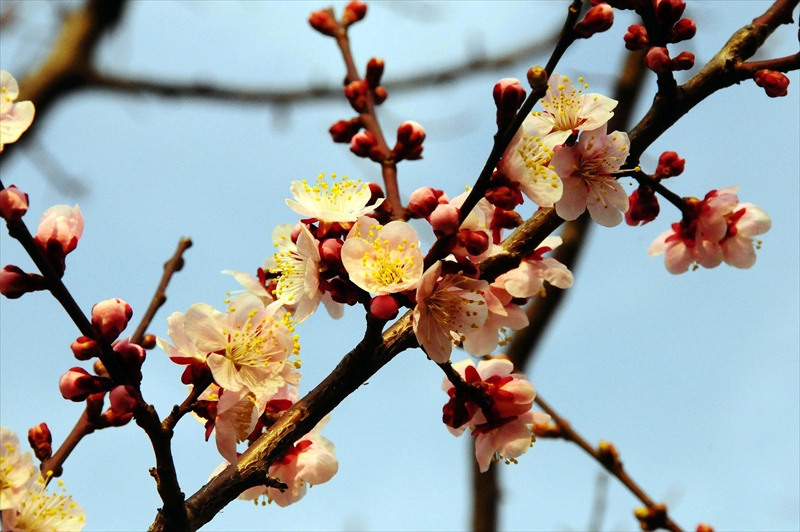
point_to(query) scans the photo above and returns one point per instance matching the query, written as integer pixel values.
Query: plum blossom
(526, 162)
(247, 347)
(745, 222)
(61, 227)
(567, 110)
(527, 280)
(382, 259)
(447, 309)
(586, 170)
(39, 510)
(15, 117)
(507, 434)
(502, 315)
(476, 224)
(16, 470)
(342, 201)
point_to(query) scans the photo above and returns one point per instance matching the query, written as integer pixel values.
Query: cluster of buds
(644, 207)
(325, 22)
(671, 28)
(775, 84)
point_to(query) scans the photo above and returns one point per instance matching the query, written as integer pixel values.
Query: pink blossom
(567, 110)
(503, 315)
(13, 204)
(342, 200)
(527, 280)
(478, 221)
(447, 309)
(39, 510)
(15, 117)
(382, 259)
(60, 227)
(745, 222)
(110, 317)
(16, 470)
(586, 170)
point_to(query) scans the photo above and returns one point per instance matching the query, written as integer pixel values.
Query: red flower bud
(374, 72)
(84, 348)
(643, 207)
(475, 242)
(323, 22)
(657, 60)
(444, 220)
(112, 419)
(669, 11)
(684, 30)
(343, 130)
(636, 38)
(13, 204)
(703, 527)
(423, 201)
(356, 94)
(110, 317)
(14, 282)
(383, 307)
(330, 251)
(774, 83)
(597, 20)
(364, 144)
(353, 12)
(379, 95)
(410, 136)
(41, 441)
(684, 61)
(669, 165)
(376, 193)
(123, 399)
(508, 97)
(77, 384)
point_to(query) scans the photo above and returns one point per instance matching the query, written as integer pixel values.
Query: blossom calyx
(669, 165)
(643, 206)
(356, 93)
(110, 317)
(669, 12)
(636, 38)
(683, 30)
(379, 94)
(774, 83)
(344, 130)
(597, 20)
(323, 22)
(508, 96)
(41, 441)
(364, 144)
(84, 348)
(14, 282)
(353, 12)
(410, 136)
(684, 61)
(652, 518)
(13, 204)
(77, 384)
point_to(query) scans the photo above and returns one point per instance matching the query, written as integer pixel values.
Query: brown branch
(54, 464)
(607, 456)
(174, 264)
(779, 64)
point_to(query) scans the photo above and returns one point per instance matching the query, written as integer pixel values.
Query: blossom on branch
(341, 201)
(39, 510)
(16, 470)
(503, 315)
(15, 117)
(527, 280)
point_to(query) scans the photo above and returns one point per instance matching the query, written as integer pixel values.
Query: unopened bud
(379, 94)
(658, 60)
(444, 220)
(508, 97)
(410, 136)
(343, 130)
(13, 204)
(364, 144)
(597, 20)
(644, 207)
(636, 38)
(503, 192)
(669, 165)
(110, 317)
(59, 231)
(123, 399)
(475, 242)
(356, 93)
(423, 201)
(353, 12)
(683, 30)
(669, 11)
(14, 282)
(374, 72)
(77, 384)
(704, 527)
(537, 78)
(148, 341)
(41, 441)
(84, 348)
(323, 22)
(384, 307)
(608, 454)
(684, 61)
(505, 219)
(652, 518)
(774, 83)
(330, 251)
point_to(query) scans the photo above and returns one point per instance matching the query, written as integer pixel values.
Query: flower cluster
(25, 503)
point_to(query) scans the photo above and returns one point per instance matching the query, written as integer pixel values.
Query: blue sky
(695, 378)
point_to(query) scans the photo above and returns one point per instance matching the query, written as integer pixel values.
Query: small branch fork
(606, 455)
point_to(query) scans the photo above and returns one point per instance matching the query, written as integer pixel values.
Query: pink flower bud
(669, 165)
(343, 130)
(657, 60)
(59, 231)
(636, 38)
(684, 30)
(383, 307)
(475, 242)
(774, 83)
(364, 144)
(410, 136)
(13, 204)
(84, 348)
(643, 207)
(669, 11)
(77, 384)
(379, 95)
(444, 220)
(353, 12)
(508, 97)
(423, 201)
(123, 399)
(14, 282)
(110, 317)
(684, 61)
(41, 441)
(375, 68)
(323, 22)
(356, 93)
(330, 251)
(597, 20)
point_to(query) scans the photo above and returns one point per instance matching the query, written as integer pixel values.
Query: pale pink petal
(573, 202)
(556, 273)
(739, 252)
(203, 323)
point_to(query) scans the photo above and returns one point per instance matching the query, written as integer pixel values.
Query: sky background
(695, 378)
